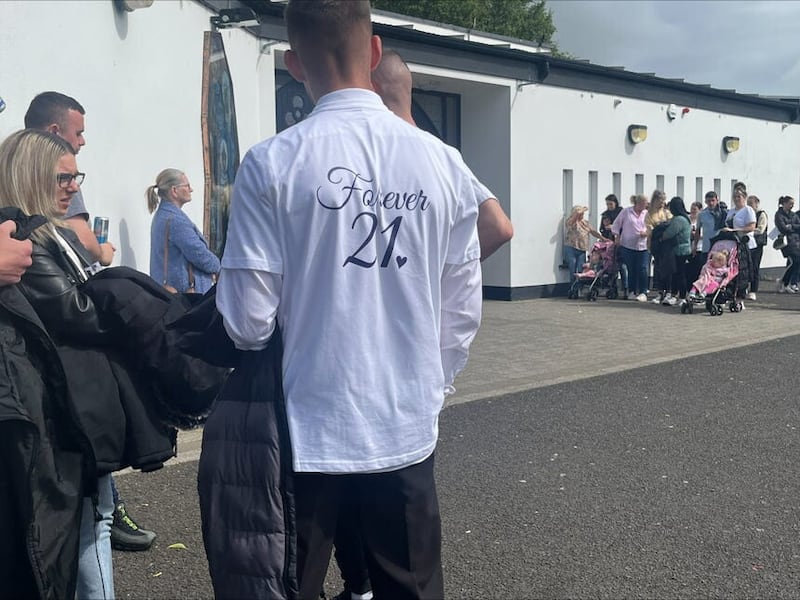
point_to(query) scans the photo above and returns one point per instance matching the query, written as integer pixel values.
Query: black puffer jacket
(245, 473)
(46, 463)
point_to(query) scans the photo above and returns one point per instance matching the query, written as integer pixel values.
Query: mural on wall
(220, 141)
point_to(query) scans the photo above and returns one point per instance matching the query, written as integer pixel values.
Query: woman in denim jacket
(175, 242)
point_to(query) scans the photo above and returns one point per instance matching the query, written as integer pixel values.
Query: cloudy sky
(752, 46)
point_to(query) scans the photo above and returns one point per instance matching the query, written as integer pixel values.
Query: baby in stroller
(599, 273)
(711, 276)
(593, 267)
(716, 285)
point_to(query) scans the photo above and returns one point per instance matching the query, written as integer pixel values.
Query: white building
(541, 132)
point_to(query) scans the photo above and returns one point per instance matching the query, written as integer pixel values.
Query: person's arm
(250, 282)
(15, 255)
(494, 227)
(103, 253)
(194, 249)
(249, 324)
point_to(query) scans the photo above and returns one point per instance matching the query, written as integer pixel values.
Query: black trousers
(397, 518)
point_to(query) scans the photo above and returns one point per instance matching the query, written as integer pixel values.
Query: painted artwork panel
(220, 140)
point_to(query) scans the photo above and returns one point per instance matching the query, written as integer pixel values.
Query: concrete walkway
(529, 344)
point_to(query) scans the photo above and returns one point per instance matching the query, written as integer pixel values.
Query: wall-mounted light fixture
(132, 5)
(730, 144)
(234, 17)
(637, 133)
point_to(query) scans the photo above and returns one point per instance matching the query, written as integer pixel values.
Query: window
(616, 185)
(567, 191)
(438, 113)
(592, 195)
(679, 187)
(699, 195)
(639, 183)
(660, 182)
(718, 188)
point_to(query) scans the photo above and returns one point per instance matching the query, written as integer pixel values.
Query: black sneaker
(126, 534)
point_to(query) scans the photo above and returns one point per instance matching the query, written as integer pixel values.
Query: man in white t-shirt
(356, 232)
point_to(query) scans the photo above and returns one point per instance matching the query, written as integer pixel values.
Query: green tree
(524, 19)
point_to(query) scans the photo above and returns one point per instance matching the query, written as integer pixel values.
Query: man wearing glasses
(63, 116)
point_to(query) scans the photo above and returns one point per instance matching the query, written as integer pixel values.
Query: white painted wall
(138, 75)
(554, 129)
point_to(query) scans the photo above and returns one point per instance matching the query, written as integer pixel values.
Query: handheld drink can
(101, 229)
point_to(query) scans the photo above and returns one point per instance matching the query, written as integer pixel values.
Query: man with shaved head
(356, 233)
(392, 81)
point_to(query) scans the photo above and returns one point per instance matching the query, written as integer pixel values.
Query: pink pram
(604, 278)
(721, 293)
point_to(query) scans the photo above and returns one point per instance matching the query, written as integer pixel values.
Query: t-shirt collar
(348, 99)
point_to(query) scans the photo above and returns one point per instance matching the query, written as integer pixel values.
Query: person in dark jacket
(111, 401)
(45, 460)
(788, 223)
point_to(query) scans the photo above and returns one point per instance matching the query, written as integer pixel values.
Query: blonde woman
(576, 240)
(39, 175)
(179, 255)
(657, 213)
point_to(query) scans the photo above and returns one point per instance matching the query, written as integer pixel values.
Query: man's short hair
(325, 23)
(48, 108)
(711, 195)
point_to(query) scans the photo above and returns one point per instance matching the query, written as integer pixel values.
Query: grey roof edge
(475, 57)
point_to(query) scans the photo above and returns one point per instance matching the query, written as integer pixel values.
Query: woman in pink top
(630, 234)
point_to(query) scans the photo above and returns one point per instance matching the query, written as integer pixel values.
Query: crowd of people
(653, 235)
(97, 376)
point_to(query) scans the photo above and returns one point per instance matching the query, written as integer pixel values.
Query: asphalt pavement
(604, 449)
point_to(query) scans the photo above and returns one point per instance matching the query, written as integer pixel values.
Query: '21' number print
(387, 255)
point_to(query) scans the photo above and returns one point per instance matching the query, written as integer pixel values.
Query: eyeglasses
(64, 179)
(182, 185)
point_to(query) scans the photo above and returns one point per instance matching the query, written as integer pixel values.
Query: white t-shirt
(741, 218)
(360, 230)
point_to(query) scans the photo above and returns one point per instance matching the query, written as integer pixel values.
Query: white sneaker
(751, 296)
(741, 305)
(656, 300)
(670, 301)
(682, 302)
(641, 298)
(795, 288)
(785, 289)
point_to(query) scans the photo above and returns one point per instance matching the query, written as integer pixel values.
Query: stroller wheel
(689, 307)
(684, 308)
(591, 296)
(720, 310)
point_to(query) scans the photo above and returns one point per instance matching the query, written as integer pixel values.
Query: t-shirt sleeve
(481, 191)
(463, 244)
(77, 208)
(253, 229)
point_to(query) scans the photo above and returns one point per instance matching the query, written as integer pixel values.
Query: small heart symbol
(401, 260)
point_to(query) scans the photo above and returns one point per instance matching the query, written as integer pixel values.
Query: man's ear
(376, 46)
(53, 128)
(294, 65)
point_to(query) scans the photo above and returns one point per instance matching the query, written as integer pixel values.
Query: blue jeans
(637, 262)
(95, 569)
(575, 259)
